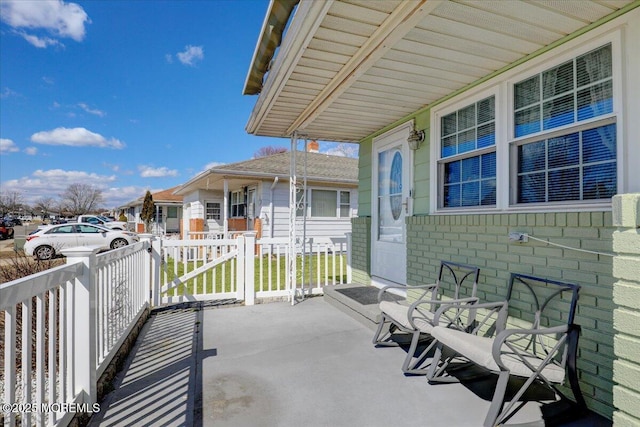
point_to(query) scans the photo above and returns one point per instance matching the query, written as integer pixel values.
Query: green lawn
(222, 277)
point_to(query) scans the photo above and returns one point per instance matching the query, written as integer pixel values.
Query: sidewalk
(279, 365)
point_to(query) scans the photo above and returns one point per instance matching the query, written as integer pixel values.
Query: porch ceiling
(348, 68)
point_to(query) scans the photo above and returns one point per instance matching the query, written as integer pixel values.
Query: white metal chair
(456, 283)
(530, 335)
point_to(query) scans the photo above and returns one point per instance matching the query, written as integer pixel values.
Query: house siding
(316, 227)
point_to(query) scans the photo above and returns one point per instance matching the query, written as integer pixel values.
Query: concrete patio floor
(279, 365)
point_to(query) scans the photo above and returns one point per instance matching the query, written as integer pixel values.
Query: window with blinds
(468, 158)
(570, 107)
(528, 141)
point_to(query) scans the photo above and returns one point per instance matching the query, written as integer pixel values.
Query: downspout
(272, 208)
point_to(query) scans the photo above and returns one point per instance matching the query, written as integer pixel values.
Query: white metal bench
(531, 335)
(457, 283)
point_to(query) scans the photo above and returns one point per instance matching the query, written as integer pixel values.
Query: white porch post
(291, 268)
(225, 207)
(349, 248)
(84, 324)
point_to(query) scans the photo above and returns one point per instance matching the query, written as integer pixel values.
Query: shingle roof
(319, 166)
(163, 196)
(166, 196)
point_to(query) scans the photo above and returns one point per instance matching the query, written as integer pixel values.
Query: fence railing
(61, 328)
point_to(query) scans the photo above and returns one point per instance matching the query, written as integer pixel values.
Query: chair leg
(572, 343)
(498, 400)
(438, 365)
(376, 336)
(409, 366)
(380, 338)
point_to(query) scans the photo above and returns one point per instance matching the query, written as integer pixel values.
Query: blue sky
(124, 95)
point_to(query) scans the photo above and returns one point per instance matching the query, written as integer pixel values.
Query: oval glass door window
(395, 186)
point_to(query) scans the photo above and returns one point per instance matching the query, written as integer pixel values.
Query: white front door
(390, 204)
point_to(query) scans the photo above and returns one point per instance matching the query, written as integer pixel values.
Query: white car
(48, 242)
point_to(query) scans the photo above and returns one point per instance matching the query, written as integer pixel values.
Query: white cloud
(31, 151)
(40, 42)
(62, 20)
(8, 146)
(212, 165)
(169, 58)
(6, 93)
(341, 149)
(75, 137)
(191, 55)
(90, 110)
(53, 182)
(50, 183)
(151, 172)
(118, 196)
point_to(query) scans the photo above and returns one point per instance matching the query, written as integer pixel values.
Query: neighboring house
(168, 212)
(254, 195)
(529, 113)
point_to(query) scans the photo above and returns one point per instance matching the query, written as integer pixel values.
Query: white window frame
(506, 167)
(338, 191)
(240, 202)
(437, 164)
(206, 208)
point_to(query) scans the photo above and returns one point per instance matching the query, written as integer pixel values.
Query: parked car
(101, 220)
(12, 222)
(47, 242)
(6, 230)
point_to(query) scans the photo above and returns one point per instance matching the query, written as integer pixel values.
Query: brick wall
(361, 250)
(626, 316)
(483, 240)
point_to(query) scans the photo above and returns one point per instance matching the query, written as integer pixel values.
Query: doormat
(367, 295)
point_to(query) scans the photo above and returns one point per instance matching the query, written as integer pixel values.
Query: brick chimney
(313, 147)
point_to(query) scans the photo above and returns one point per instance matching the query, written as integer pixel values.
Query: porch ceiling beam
(402, 20)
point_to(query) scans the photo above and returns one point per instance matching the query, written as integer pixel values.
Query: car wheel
(44, 252)
(119, 243)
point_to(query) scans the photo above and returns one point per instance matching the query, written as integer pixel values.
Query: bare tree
(10, 202)
(44, 206)
(268, 151)
(79, 199)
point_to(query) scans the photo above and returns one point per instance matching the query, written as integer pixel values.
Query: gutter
(275, 22)
(307, 19)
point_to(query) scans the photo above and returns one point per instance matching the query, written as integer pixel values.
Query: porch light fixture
(415, 138)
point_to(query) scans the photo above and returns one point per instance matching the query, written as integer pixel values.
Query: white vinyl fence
(61, 328)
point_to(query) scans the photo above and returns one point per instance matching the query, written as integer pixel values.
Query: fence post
(84, 346)
(240, 273)
(349, 249)
(249, 263)
(152, 267)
